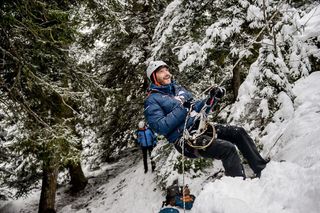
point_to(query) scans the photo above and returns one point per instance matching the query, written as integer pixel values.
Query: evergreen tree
(38, 85)
(283, 59)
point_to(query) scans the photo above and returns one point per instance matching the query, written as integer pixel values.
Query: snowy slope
(130, 191)
(291, 186)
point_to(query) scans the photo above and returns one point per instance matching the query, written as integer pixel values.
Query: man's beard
(169, 76)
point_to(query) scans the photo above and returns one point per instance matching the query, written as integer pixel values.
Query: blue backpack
(169, 210)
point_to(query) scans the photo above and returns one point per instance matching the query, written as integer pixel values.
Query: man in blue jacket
(147, 140)
(166, 109)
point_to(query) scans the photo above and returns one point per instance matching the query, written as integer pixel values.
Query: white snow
(283, 187)
(131, 191)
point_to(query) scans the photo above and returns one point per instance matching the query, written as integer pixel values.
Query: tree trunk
(275, 51)
(48, 189)
(236, 81)
(78, 180)
(265, 15)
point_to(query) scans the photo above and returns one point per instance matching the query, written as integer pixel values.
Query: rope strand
(182, 146)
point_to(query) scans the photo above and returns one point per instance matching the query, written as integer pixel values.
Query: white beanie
(153, 65)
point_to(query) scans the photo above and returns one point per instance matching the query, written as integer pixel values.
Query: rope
(182, 146)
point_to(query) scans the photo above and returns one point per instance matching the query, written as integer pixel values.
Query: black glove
(217, 92)
(187, 104)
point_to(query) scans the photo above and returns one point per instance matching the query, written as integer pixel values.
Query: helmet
(141, 124)
(153, 65)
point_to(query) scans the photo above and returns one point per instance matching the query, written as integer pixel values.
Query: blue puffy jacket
(146, 138)
(165, 114)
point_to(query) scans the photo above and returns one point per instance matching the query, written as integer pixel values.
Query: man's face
(163, 76)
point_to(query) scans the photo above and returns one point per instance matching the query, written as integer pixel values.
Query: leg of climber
(227, 153)
(239, 137)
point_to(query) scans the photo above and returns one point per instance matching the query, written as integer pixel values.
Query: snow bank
(283, 187)
(291, 186)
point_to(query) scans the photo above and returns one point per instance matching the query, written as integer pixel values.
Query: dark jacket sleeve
(197, 105)
(181, 91)
(160, 122)
(138, 139)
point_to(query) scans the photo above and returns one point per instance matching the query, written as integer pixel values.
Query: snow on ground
(22, 205)
(290, 186)
(283, 187)
(131, 191)
(118, 187)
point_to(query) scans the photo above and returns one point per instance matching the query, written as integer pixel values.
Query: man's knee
(232, 163)
(231, 151)
(220, 149)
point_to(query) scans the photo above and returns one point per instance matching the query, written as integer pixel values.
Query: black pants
(145, 157)
(223, 149)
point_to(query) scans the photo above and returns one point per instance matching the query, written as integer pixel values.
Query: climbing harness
(202, 134)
